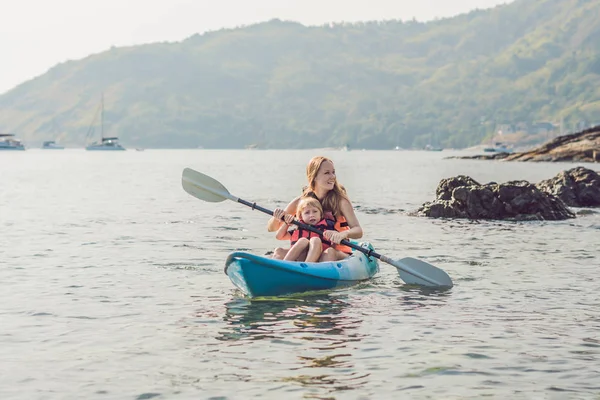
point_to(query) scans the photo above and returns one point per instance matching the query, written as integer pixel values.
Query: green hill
(449, 82)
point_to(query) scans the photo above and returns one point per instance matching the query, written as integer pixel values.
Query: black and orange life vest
(339, 224)
(323, 225)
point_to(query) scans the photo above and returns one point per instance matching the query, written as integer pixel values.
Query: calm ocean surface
(112, 285)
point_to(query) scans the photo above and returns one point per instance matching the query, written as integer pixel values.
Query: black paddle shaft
(367, 252)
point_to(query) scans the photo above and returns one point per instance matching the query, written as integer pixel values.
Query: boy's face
(311, 215)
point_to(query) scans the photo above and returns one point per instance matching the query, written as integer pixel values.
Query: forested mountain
(449, 82)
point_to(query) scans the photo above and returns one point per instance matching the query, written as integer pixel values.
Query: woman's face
(325, 178)
(311, 215)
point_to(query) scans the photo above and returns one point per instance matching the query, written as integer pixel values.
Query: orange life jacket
(322, 225)
(339, 224)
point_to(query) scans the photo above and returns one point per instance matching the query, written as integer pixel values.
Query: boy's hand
(288, 218)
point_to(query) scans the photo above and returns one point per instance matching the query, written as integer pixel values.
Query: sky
(35, 35)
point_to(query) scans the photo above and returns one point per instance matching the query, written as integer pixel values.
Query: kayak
(263, 276)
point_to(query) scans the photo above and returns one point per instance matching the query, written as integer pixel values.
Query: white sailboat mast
(102, 118)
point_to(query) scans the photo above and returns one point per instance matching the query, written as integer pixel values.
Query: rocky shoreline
(550, 199)
(582, 146)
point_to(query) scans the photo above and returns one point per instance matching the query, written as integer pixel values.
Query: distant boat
(9, 142)
(252, 146)
(498, 147)
(105, 143)
(432, 148)
(51, 145)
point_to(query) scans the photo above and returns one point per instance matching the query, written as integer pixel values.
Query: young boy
(309, 212)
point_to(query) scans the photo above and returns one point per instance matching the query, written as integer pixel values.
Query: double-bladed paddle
(411, 270)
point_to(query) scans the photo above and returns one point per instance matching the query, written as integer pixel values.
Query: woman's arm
(274, 223)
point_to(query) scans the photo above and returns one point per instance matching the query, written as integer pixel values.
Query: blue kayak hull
(262, 276)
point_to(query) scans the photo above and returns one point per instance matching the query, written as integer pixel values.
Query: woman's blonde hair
(308, 202)
(332, 200)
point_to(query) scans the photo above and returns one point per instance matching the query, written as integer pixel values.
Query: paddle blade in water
(204, 187)
(417, 272)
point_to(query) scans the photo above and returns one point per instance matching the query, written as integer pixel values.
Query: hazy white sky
(35, 35)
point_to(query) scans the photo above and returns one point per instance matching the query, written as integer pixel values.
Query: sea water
(112, 285)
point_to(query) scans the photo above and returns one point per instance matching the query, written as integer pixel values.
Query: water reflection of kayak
(263, 276)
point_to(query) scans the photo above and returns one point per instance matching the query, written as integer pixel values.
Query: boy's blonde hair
(308, 202)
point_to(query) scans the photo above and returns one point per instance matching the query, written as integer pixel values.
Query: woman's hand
(281, 216)
(276, 221)
(278, 214)
(335, 236)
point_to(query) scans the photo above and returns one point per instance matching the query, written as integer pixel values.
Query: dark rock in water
(586, 211)
(582, 146)
(463, 197)
(446, 186)
(577, 187)
(494, 156)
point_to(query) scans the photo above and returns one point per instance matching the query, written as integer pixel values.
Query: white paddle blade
(204, 187)
(418, 272)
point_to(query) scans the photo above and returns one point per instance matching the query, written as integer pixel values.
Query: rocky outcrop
(577, 187)
(583, 146)
(463, 197)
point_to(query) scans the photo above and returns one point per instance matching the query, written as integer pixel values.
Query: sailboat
(105, 143)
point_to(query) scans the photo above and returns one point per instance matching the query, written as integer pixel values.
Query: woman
(323, 185)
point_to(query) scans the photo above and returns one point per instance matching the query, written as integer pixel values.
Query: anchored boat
(9, 142)
(498, 147)
(51, 145)
(105, 143)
